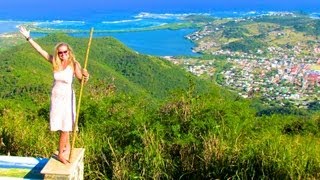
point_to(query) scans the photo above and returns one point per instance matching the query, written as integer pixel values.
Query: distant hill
(249, 34)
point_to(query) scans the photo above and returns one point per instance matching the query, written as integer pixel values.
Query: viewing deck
(30, 168)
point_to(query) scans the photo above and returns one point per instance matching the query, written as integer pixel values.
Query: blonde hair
(56, 62)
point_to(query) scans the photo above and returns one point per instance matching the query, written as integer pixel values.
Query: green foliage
(26, 72)
(244, 45)
(314, 106)
(301, 23)
(247, 35)
(200, 18)
(284, 20)
(143, 118)
(233, 31)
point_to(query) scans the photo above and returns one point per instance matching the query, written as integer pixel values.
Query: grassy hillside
(143, 118)
(110, 62)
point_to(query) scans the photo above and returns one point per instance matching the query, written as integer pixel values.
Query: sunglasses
(62, 52)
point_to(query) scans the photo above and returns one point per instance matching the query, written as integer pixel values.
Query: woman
(62, 111)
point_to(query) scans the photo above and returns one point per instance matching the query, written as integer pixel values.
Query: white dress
(62, 111)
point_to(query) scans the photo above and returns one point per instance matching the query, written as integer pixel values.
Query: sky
(69, 7)
(62, 5)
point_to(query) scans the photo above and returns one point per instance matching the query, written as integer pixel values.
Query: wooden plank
(55, 167)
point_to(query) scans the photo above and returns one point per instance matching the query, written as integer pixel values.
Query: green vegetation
(253, 33)
(25, 71)
(301, 23)
(245, 45)
(10, 40)
(14, 172)
(144, 118)
(199, 18)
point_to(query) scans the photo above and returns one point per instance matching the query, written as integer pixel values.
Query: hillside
(110, 62)
(250, 34)
(144, 118)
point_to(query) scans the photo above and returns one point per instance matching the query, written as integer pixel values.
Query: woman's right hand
(35, 45)
(24, 32)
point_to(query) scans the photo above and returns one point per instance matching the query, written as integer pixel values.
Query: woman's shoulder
(76, 62)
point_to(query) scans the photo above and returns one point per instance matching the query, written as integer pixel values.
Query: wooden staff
(79, 100)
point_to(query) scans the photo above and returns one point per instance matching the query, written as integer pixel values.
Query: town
(276, 75)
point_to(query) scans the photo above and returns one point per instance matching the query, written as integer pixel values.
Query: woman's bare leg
(67, 147)
(63, 143)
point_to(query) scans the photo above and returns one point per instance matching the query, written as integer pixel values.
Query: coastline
(159, 34)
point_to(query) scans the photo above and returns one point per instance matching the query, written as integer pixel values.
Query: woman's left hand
(85, 75)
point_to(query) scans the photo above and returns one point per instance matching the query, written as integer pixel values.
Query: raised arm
(35, 45)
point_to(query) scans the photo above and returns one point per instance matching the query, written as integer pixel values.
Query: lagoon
(156, 42)
(162, 42)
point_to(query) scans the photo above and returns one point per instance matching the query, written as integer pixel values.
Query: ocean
(134, 29)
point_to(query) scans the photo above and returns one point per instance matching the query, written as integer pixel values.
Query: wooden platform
(55, 169)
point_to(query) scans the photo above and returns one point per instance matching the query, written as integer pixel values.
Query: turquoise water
(156, 42)
(131, 28)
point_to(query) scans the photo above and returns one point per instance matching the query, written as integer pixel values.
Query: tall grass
(186, 136)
